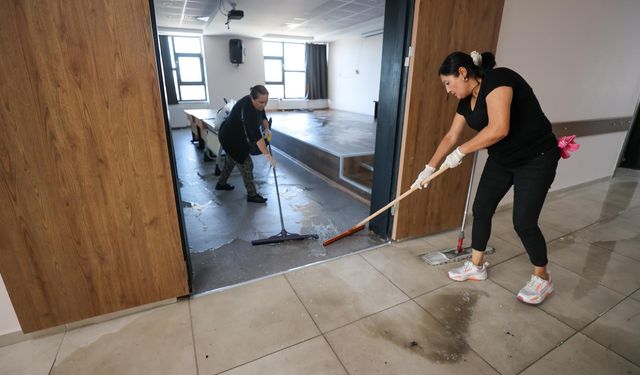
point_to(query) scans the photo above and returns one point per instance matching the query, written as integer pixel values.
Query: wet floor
(326, 130)
(220, 225)
(384, 310)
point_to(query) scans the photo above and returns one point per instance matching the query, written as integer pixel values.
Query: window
(284, 69)
(187, 66)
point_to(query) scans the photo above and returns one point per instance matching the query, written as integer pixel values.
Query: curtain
(316, 71)
(167, 70)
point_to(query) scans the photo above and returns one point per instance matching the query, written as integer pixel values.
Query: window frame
(176, 70)
(284, 80)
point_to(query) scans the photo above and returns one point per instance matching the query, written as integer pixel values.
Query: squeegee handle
(404, 195)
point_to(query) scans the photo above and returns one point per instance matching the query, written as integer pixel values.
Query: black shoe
(224, 187)
(256, 198)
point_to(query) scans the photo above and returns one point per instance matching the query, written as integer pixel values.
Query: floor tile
(32, 357)
(618, 234)
(575, 211)
(599, 200)
(416, 246)
(581, 355)
(632, 214)
(557, 222)
(575, 301)
(406, 270)
(157, 341)
(619, 330)
(506, 333)
(599, 265)
(342, 291)
(241, 324)
(503, 250)
(502, 227)
(308, 358)
(620, 193)
(636, 295)
(404, 340)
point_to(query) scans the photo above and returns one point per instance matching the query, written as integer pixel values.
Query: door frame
(630, 154)
(394, 72)
(172, 156)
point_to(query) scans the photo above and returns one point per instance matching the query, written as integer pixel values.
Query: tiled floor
(384, 311)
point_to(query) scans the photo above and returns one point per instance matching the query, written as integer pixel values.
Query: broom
(360, 226)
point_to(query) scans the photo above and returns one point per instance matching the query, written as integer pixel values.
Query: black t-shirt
(530, 131)
(242, 124)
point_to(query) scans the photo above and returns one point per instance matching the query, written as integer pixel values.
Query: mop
(360, 226)
(459, 252)
(283, 235)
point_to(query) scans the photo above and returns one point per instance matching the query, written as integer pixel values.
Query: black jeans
(530, 182)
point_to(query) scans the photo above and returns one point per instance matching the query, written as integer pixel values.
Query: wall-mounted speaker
(236, 51)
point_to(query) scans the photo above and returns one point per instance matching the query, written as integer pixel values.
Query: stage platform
(337, 144)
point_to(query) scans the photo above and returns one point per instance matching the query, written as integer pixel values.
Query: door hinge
(408, 58)
(394, 209)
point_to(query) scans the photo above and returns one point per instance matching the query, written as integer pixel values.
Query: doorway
(218, 226)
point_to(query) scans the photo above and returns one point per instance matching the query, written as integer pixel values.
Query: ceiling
(317, 20)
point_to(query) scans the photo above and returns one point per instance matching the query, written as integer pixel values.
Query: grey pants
(246, 170)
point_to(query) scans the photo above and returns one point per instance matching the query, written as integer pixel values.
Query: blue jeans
(530, 182)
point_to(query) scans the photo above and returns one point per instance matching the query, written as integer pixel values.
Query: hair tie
(476, 57)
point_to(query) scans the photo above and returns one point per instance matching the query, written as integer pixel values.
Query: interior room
(323, 134)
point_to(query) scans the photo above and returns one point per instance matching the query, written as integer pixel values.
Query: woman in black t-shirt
(237, 132)
(523, 153)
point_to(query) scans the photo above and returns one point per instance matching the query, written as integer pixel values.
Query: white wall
(224, 79)
(581, 58)
(8, 319)
(354, 74)
(177, 117)
(348, 90)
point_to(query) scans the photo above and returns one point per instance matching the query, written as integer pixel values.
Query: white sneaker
(536, 290)
(469, 271)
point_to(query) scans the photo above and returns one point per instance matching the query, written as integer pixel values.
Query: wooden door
(439, 28)
(89, 217)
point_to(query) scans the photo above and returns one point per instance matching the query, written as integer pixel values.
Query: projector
(235, 14)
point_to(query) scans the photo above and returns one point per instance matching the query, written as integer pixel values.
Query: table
(205, 132)
(196, 119)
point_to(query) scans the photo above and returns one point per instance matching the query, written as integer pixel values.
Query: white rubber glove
(271, 160)
(426, 172)
(453, 159)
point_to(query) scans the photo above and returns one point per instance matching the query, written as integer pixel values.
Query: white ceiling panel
(296, 18)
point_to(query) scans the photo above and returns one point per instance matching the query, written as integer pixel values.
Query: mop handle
(275, 179)
(404, 195)
(466, 204)
(275, 176)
